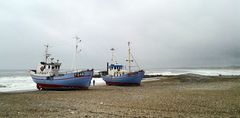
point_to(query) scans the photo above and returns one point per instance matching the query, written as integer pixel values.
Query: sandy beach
(172, 96)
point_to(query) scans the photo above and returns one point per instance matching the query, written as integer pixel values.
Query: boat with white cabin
(116, 75)
(47, 75)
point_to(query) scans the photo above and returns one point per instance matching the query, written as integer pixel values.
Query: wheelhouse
(115, 70)
(48, 68)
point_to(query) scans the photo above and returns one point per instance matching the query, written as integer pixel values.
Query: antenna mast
(76, 51)
(77, 43)
(47, 55)
(113, 61)
(129, 57)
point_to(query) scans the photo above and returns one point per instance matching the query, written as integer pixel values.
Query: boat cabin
(51, 69)
(115, 70)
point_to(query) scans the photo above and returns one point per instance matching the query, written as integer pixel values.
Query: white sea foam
(207, 72)
(98, 81)
(18, 83)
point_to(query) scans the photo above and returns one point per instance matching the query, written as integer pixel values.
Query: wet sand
(173, 96)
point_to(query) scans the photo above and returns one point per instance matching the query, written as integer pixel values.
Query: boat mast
(47, 55)
(129, 57)
(76, 51)
(113, 61)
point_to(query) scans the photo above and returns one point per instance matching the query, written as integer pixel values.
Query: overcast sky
(164, 33)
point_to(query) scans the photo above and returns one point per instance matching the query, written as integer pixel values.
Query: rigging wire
(136, 62)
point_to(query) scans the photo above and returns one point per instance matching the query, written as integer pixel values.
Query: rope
(136, 62)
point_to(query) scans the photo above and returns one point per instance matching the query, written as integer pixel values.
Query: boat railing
(74, 71)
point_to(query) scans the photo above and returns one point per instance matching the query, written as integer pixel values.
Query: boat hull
(65, 81)
(129, 79)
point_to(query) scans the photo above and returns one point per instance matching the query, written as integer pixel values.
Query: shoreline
(100, 84)
(147, 78)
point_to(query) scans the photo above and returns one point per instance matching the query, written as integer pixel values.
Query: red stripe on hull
(58, 87)
(122, 84)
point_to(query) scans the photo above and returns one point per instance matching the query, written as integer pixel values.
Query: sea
(20, 80)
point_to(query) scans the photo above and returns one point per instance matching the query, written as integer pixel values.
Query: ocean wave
(2, 86)
(16, 83)
(207, 72)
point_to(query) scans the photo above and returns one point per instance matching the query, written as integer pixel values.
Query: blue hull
(133, 78)
(66, 81)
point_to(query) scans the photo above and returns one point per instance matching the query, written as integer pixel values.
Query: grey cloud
(166, 33)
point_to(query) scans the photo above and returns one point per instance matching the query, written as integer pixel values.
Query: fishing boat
(47, 75)
(116, 75)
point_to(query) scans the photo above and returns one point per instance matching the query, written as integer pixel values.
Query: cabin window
(42, 68)
(48, 66)
(52, 67)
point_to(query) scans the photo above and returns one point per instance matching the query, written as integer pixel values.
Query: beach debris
(101, 103)
(71, 111)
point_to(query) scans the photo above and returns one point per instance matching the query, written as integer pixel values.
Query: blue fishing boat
(116, 75)
(47, 75)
